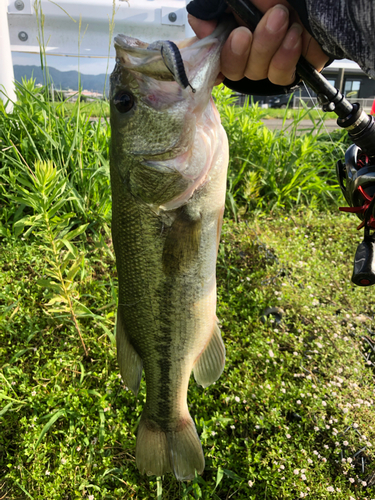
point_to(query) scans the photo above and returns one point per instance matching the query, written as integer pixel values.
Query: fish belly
(166, 323)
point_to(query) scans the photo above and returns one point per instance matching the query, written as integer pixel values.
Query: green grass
(295, 399)
(280, 168)
(69, 423)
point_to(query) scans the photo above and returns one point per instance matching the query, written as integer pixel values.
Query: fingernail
(240, 41)
(277, 19)
(293, 36)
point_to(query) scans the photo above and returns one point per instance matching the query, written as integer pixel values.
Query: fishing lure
(173, 61)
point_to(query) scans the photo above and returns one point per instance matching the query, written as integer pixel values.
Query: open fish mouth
(165, 60)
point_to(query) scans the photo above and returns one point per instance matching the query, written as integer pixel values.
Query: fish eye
(123, 102)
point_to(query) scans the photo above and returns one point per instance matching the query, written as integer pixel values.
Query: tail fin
(178, 451)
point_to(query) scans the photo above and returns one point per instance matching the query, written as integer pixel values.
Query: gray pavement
(304, 125)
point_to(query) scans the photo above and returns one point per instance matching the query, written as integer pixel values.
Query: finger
(201, 28)
(235, 53)
(267, 38)
(219, 79)
(282, 69)
(312, 51)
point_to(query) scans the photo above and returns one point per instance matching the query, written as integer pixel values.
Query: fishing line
(321, 116)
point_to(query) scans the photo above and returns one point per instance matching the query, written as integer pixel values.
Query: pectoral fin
(182, 243)
(210, 365)
(129, 361)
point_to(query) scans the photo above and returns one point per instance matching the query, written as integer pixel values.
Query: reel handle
(364, 264)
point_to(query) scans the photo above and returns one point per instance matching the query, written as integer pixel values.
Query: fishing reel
(357, 182)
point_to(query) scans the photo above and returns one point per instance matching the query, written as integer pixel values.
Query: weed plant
(292, 415)
(278, 169)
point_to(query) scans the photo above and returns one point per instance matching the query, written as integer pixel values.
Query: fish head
(153, 117)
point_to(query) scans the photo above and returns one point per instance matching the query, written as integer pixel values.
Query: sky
(88, 66)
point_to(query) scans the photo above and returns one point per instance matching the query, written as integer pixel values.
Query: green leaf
(47, 427)
(4, 396)
(49, 284)
(75, 268)
(159, 488)
(69, 245)
(23, 489)
(5, 409)
(232, 475)
(76, 232)
(219, 476)
(101, 427)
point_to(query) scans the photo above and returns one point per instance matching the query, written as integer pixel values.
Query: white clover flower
(303, 477)
(237, 399)
(250, 483)
(355, 425)
(91, 497)
(315, 452)
(296, 472)
(257, 426)
(326, 446)
(343, 460)
(345, 443)
(232, 426)
(63, 461)
(288, 436)
(316, 429)
(213, 433)
(324, 403)
(47, 473)
(78, 448)
(351, 480)
(349, 460)
(282, 466)
(309, 461)
(271, 354)
(364, 483)
(283, 391)
(328, 426)
(33, 393)
(301, 495)
(298, 401)
(330, 488)
(324, 460)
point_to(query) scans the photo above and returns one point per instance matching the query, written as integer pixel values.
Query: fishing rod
(356, 175)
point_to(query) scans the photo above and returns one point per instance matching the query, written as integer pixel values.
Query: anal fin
(129, 361)
(210, 365)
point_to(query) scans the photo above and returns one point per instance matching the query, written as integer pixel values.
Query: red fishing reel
(357, 182)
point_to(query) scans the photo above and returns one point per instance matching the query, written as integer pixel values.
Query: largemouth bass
(169, 157)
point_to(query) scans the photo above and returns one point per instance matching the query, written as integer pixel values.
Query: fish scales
(169, 156)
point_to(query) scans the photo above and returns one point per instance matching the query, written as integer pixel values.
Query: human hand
(272, 51)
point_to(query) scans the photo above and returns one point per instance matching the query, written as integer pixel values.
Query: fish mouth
(160, 60)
